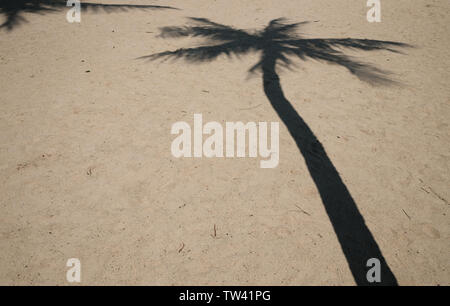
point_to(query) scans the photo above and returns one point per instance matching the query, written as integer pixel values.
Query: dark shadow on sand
(12, 10)
(278, 43)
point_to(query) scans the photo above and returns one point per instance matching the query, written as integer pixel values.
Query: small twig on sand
(430, 190)
(215, 232)
(305, 212)
(438, 196)
(406, 214)
(181, 248)
(424, 190)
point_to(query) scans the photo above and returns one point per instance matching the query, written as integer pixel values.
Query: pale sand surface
(86, 169)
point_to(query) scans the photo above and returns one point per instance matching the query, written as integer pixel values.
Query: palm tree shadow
(278, 43)
(12, 10)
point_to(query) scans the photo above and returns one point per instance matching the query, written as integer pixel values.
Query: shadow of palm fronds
(278, 41)
(12, 10)
(278, 44)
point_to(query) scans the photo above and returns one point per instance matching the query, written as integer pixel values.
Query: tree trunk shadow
(355, 238)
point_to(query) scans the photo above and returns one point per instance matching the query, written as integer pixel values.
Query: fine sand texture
(86, 169)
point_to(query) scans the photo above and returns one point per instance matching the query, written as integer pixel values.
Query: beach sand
(87, 172)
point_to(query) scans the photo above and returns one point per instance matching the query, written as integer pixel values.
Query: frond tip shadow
(278, 44)
(12, 10)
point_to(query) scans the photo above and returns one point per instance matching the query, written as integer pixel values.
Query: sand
(86, 169)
